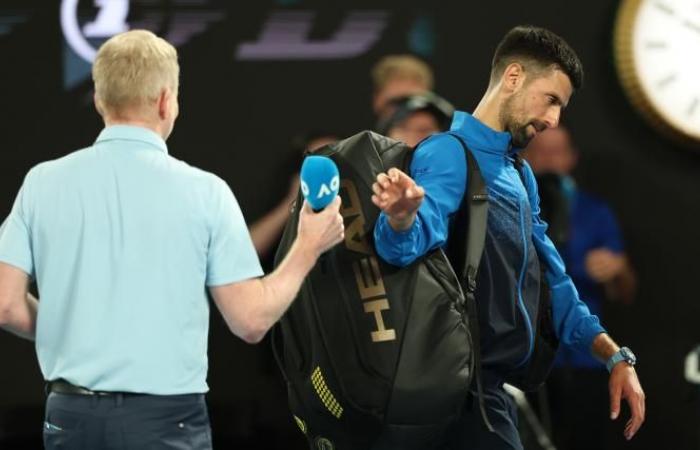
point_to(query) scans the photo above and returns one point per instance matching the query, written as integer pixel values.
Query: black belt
(64, 387)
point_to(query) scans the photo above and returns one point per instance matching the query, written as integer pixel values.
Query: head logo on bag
(367, 275)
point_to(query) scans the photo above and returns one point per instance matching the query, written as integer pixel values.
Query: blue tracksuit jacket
(508, 282)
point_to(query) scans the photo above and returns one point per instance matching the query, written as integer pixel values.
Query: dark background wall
(238, 117)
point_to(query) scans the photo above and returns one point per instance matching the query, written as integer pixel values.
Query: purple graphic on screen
(285, 37)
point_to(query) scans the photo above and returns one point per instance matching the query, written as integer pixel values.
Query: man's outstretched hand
(399, 197)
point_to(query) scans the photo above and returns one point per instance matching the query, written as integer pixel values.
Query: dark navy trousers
(470, 431)
(126, 422)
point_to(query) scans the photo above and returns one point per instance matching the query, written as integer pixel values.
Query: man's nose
(552, 118)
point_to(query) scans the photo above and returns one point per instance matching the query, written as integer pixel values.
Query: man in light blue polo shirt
(123, 241)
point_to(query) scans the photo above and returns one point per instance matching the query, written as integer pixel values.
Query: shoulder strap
(476, 198)
(518, 163)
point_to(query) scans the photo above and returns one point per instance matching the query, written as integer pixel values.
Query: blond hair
(132, 68)
(401, 67)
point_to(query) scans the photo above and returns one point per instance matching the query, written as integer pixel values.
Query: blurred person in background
(588, 237)
(267, 230)
(396, 76)
(415, 117)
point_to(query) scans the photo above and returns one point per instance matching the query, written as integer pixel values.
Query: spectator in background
(267, 230)
(588, 237)
(415, 117)
(398, 76)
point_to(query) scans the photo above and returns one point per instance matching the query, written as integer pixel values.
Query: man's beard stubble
(517, 130)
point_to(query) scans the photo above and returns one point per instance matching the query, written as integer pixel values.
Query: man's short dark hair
(537, 46)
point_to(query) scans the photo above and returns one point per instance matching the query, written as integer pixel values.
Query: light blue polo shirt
(123, 240)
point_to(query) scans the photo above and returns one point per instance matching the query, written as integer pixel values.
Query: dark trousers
(126, 422)
(470, 432)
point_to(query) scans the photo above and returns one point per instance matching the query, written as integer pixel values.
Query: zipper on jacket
(521, 303)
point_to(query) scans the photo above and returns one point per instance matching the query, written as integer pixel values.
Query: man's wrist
(403, 224)
(306, 253)
(625, 355)
(603, 347)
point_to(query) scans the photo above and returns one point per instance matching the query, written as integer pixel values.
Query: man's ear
(513, 77)
(98, 106)
(164, 100)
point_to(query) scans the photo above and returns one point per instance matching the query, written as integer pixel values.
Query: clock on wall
(657, 55)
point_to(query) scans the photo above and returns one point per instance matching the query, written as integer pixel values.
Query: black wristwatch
(624, 354)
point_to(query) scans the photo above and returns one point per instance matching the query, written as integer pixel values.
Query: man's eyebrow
(558, 100)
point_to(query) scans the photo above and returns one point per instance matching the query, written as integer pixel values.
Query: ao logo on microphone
(320, 181)
(324, 190)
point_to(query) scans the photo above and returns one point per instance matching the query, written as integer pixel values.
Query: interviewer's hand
(399, 197)
(625, 384)
(322, 230)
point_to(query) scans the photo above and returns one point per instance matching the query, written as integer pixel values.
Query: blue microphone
(320, 181)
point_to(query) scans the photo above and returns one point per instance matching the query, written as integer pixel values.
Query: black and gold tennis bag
(375, 356)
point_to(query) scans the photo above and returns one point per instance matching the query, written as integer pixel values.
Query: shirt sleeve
(439, 166)
(573, 321)
(600, 226)
(609, 230)
(15, 233)
(231, 255)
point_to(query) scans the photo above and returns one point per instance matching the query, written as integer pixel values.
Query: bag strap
(477, 199)
(518, 164)
(478, 205)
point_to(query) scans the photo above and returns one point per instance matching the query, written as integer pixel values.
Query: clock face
(659, 48)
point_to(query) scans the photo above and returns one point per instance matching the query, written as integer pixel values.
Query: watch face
(657, 44)
(628, 355)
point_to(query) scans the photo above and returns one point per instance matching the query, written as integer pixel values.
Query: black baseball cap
(403, 107)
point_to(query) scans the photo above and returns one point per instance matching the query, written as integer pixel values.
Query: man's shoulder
(438, 140)
(66, 163)
(195, 177)
(186, 169)
(440, 154)
(443, 145)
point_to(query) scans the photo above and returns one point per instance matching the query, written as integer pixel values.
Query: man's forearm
(21, 320)
(403, 223)
(280, 288)
(253, 306)
(604, 347)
